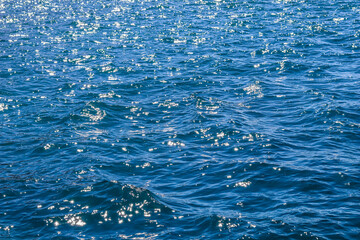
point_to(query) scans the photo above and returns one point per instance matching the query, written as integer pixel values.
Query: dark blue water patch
(179, 120)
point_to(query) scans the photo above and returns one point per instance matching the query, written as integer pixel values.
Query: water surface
(162, 119)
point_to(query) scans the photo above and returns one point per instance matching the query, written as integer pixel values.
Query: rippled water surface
(172, 119)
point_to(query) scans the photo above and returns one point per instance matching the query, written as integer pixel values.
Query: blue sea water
(169, 119)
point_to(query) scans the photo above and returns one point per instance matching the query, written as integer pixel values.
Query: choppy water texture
(173, 119)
